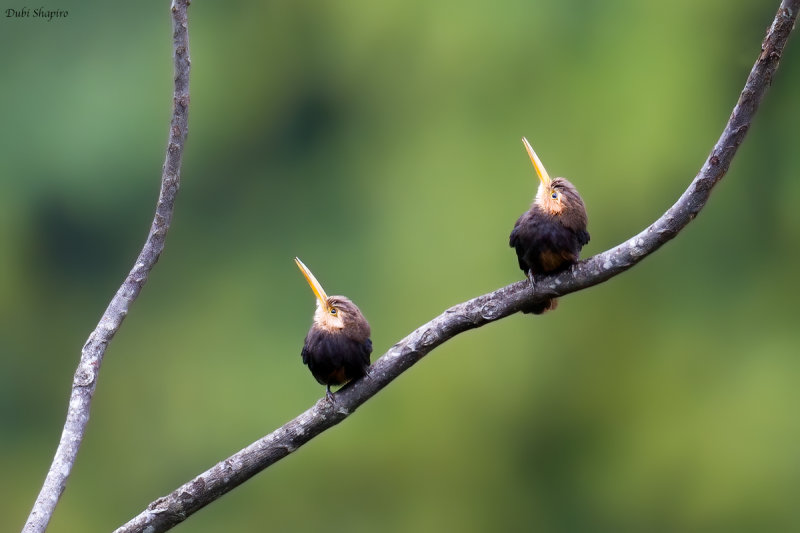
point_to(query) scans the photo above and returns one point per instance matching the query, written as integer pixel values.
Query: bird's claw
(530, 278)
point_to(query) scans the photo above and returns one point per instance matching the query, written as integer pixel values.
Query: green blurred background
(380, 142)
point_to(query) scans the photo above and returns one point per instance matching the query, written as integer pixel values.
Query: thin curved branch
(175, 507)
(85, 380)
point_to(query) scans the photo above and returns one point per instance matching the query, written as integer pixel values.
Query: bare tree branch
(85, 380)
(175, 507)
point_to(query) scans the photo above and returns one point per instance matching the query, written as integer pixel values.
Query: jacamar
(337, 347)
(549, 236)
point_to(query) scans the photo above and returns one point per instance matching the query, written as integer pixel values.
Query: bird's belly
(544, 246)
(334, 359)
(328, 371)
(337, 377)
(550, 260)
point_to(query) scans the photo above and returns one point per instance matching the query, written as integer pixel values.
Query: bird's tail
(542, 307)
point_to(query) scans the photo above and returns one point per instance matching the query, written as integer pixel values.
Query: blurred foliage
(379, 141)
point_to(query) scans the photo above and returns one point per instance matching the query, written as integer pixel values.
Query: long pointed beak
(544, 177)
(319, 292)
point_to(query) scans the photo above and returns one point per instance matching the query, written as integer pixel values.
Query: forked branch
(175, 507)
(85, 380)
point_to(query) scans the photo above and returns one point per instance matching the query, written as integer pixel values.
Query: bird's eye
(554, 195)
(334, 311)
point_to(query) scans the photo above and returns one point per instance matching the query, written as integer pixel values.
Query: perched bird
(337, 347)
(549, 236)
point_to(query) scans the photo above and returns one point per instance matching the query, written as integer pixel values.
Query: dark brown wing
(583, 237)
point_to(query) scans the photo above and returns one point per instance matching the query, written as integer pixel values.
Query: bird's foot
(539, 308)
(329, 395)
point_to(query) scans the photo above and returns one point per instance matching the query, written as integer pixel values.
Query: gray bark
(85, 379)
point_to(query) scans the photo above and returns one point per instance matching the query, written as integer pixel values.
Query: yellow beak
(319, 292)
(544, 177)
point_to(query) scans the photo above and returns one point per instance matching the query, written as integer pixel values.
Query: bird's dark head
(335, 313)
(558, 196)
